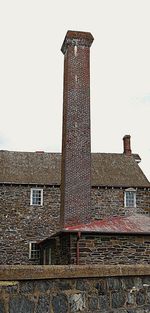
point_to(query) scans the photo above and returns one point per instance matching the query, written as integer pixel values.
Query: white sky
(31, 73)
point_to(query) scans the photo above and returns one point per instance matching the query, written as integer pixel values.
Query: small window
(36, 197)
(34, 251)
(130, 198)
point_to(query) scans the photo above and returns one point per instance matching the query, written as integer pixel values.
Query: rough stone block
(118, 299)
(64, 285)
(114, 283)
(140, 298)
(148, 298)
(2, 307)
(21, 304)
(146, 281)
(60, 303)
(43, 304)
(93, 303)
(128, 282)
(26, 287)
(131, 298)
(104, 302)
(82, 284)
(43, 285)
(77, 302)
(101, 286)
(138, 283)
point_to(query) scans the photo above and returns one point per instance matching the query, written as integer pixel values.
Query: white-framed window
(130, 198)
(34, 251)
(36, 196)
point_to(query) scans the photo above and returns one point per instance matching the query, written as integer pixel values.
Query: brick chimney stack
(127, 145)
(76, 140)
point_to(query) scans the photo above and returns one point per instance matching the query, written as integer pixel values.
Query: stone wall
(99, 249)
(110, 202)
(22, 223)
(111, 249)
(63, 289)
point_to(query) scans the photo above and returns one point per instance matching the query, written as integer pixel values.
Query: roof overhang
(130, 225)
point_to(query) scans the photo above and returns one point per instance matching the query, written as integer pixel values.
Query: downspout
(78, 251)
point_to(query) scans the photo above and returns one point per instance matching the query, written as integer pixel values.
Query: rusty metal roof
(108, 169)
(130, 224)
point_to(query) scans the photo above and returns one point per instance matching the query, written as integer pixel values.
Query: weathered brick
(76, 139)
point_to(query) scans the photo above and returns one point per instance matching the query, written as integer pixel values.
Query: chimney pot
(127, 145)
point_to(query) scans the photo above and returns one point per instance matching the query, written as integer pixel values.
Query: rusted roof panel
(108, 169)
(131, 224)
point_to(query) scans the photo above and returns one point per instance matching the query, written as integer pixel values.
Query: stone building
(101, 213)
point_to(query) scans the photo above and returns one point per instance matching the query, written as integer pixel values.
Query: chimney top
(76, 38)
(127, 145)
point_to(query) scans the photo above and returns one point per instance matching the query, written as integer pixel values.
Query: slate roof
(108, 169)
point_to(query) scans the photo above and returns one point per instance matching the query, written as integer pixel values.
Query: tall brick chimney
(127, 145)
(76, 140)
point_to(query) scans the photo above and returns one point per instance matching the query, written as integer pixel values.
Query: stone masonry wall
(110, 202)
(98, 294)
(22, 222)
(111, 249)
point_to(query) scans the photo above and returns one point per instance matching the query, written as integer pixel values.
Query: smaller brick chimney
(126, 145)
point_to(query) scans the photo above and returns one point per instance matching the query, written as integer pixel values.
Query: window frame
(31, 196)
(134, 198)
(34, 254)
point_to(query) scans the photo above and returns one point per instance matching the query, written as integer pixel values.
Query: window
(36, 197)
(130, 198)
(34, 251)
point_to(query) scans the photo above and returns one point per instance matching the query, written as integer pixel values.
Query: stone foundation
(68, 289)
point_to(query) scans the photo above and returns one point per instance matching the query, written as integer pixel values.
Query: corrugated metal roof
(108, 169)
(130, 224)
